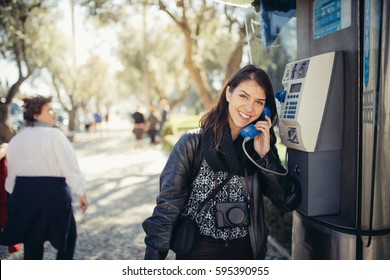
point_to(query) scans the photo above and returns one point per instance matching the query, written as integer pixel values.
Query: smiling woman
(210, 164)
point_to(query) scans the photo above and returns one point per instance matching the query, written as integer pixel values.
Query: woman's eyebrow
(247, 94)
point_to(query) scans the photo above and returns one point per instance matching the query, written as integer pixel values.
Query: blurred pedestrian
(4, 194)
(164, 112)
(139, 126)
(98, 120)
(89, 120)
(42, 171)
(152, 125)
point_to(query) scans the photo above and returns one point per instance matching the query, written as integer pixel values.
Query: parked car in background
(17, 121)
(62, 119)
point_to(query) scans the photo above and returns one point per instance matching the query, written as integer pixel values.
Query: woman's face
(246, 103)
(47, 115)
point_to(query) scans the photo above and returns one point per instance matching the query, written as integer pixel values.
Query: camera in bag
(232, 214)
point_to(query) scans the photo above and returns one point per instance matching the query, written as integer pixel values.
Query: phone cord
(265, 169)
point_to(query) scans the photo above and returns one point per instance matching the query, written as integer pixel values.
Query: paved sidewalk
(122, 184)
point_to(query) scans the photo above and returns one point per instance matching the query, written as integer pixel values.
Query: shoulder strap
(197, 162)
(198, 158)
(216, 190)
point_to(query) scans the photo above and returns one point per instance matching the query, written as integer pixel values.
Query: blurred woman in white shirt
(42, 172)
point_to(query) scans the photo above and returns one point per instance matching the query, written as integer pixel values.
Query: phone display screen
(296, 87)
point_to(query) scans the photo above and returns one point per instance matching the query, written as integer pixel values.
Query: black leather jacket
(177, 177)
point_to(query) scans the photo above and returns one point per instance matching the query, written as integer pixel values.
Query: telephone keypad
(291, 106)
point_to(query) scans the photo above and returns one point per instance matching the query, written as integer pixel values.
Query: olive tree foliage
(75, 84)
(96, 82)
(207, 29)
(23, 25)
(152, 58)
(196, 42)
(104, 12)
(30, 39)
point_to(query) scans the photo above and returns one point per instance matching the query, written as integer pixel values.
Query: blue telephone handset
(250, 130)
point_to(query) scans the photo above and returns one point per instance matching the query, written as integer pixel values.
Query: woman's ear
(228, 94)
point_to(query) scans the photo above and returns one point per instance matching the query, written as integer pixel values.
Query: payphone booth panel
(311, 125)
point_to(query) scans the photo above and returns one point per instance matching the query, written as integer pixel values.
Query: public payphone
(311, 126)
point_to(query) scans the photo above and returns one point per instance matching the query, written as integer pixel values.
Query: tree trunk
(236, 57)
(203, 88)
(235, 61)
(6, 131)
(14, 89)
(73, 118)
